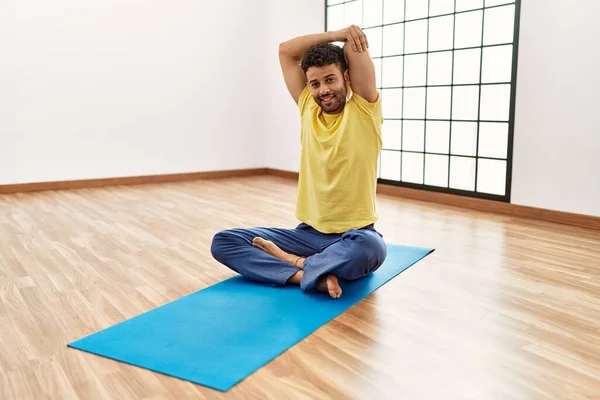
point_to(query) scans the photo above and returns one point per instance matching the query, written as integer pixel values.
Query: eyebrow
(315, 80)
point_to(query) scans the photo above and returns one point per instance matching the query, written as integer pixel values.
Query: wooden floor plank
(505, 308)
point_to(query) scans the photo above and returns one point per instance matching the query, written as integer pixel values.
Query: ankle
(296, 278)
(299, 262)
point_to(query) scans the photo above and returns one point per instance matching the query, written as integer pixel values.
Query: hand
(353, 36)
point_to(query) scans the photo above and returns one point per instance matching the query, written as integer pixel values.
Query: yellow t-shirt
(338, 166)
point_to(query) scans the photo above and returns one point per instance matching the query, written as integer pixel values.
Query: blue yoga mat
(219, 335)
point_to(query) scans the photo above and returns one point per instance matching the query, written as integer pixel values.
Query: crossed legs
(328, 283)
(301, 256)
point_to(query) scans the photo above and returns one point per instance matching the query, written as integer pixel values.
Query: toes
(258, 242)
(335, 291)
(261, 242)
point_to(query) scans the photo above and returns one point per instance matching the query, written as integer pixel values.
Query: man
(341, 141)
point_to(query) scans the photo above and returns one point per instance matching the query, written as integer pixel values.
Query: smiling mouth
(327, 99)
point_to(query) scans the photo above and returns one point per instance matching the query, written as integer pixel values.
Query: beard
(333, 101)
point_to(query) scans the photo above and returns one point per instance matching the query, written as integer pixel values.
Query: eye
(314, 84)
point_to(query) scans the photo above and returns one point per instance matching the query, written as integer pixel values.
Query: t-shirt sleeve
(304, 99)
(372, 109)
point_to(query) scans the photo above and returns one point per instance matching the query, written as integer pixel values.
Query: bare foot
(330, 284)
(275, 251)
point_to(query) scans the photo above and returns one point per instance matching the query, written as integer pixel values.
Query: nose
(324, 90)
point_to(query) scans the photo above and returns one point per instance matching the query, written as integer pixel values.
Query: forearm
(295, 48)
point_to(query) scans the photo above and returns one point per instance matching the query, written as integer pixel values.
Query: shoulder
(369, 108)
(305, 100)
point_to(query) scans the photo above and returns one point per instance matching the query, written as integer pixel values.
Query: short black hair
(324, 54)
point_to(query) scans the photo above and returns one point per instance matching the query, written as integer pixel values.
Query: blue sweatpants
(350, 255)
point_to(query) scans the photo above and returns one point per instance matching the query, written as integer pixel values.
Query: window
(446, 74)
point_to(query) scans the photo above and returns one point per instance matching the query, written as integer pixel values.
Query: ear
(347, 80)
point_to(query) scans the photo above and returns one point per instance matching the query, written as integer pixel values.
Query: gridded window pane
(462, 173)
(353, 13)
(414, 103)
(416, 37)
(438, 103)
(437, 137)
(468, 29)
(394, 11)
(491, 176)
(335, 18)
(413, 135)
(391, 132)
(391, 103)
(493, 139)
(495, 102)
(464, 138)
(499, 25)
(442, 67)
(436, 170)
(374, 38)
(377, 64)
(464, 5)
(415, 68)
(439, 68)
(416, 9)
(465, 102)
(490, 3)
(390, 165)
(440, 33)
(392, 71)
(412, 167)
(497, 64)
(466, 66)
(372, 12)
(439, 7)
(393, 36)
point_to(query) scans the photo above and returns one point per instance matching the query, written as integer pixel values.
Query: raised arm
(290, 57)
(360, 65)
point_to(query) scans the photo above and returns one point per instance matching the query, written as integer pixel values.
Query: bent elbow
(283, 48)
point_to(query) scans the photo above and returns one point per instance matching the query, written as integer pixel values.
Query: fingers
(362, 37)
(357, 38)
(354, 40)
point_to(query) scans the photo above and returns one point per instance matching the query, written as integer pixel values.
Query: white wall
(557, 129)
(121, 88)
(283, 119)
(112, 88)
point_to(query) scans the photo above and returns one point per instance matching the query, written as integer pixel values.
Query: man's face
(329, 87)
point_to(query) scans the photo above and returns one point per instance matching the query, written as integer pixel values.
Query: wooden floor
(503, 309)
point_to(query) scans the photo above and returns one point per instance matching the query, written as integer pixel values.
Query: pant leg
(354, 255)
(233, 248)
